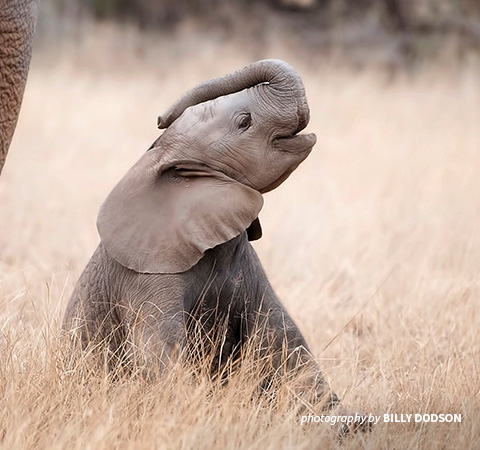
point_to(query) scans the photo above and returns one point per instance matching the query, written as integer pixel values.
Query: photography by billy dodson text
(373, 419)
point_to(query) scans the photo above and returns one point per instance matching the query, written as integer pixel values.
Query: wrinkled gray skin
(147, 311)
(17, 24)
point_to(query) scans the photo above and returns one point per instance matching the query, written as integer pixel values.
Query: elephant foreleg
(91, 322)
(280, 344)
(278, 341)
(155, 337)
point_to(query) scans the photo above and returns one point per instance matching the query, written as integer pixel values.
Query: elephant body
(147, 316)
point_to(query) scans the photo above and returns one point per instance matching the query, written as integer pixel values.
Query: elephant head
(226, 142)
(17, 23)
(245, 124)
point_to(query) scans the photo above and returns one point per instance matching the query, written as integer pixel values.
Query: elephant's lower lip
(295, 142)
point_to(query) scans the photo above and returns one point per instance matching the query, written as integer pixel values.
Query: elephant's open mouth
(298, 147)
(295, 143)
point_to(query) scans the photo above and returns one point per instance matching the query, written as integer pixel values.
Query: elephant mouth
(298, 147)
(295, 143)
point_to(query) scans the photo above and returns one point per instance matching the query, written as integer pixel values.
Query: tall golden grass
(373, 245)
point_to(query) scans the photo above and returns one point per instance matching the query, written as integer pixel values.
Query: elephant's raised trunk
(278, 74)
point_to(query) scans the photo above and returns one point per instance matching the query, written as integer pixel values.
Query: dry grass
(380, 225)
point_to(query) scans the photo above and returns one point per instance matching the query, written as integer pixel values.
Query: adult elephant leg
(279, 342)
(17, 23)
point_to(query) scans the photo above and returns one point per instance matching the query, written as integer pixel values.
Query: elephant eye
(245, 121)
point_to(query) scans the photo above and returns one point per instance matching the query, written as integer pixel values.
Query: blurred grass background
(388, 33)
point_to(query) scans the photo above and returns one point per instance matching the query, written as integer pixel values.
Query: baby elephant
(175, 231)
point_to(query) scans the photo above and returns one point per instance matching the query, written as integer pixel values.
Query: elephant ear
(161, 218)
